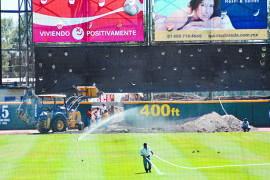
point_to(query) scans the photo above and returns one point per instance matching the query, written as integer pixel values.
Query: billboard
(87, 20)
(199, 20)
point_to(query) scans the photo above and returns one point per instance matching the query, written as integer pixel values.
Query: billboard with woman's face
(87, 20)
(199, 20)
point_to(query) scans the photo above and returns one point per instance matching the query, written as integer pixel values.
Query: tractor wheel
(43, 130)
(59, 124)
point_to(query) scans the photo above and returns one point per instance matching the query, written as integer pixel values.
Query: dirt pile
(208, 123)
(213, 122)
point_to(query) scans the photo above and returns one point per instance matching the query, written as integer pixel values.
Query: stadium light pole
(27, 42)
(148, 16)
(20, 47)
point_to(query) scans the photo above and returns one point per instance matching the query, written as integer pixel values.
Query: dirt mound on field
(212, 122)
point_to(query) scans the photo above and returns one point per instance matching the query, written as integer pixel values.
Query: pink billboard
(87, 20)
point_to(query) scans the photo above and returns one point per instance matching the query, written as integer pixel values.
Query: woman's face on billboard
(205, 9)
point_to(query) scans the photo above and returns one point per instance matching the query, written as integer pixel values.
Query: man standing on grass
(145, 153)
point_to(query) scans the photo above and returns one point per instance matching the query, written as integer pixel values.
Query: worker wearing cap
(245, 125)
(145, 153)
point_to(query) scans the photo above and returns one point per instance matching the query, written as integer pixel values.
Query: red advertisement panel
(87, 20)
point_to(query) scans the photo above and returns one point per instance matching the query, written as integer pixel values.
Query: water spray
(154, 166)
(102, 122)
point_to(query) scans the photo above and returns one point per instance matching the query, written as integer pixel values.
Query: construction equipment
(35, 110)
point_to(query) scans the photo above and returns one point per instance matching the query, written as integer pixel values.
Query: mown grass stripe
(45, 160)
(235, 154)
(116, 156)
(207, 156)
(189, 157)
(254, 151)
(84, 158)
(120, 156)
(179, 147)
(13, 148)
(255, 143)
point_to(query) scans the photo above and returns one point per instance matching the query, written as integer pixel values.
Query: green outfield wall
(257, 111)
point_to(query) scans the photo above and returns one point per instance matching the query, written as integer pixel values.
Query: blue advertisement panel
(196, 20)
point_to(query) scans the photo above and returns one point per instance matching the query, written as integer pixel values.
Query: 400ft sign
(159, 110)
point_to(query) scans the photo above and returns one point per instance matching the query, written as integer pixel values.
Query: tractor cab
(58, 101)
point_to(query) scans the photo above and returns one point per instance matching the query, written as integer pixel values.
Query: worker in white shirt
(97, 115)
(145, 153)
(102, 109)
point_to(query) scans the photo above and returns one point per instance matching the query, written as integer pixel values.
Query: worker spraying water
(154, 166)
(145, 152)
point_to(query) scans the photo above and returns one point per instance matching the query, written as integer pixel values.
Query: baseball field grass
(188, 156)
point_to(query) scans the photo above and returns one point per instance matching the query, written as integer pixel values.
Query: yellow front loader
(36, 110)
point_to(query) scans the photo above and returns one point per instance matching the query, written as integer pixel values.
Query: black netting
(154, 69)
